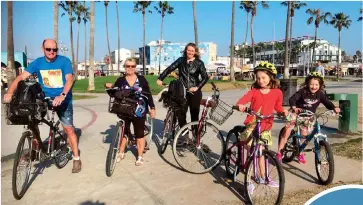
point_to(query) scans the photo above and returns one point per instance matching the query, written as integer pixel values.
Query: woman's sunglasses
(130, 66)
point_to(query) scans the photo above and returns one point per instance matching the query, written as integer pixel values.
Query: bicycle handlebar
(251, 112)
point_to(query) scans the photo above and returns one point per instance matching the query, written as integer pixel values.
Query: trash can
(288, 88)
(348, 104)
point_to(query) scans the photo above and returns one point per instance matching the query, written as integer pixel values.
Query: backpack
(28, 101)
(176, 93)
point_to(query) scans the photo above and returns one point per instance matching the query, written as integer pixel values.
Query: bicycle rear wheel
(148, 131)
(168, 130)
(268, 189)
(63, 154)
(233, 150)
(114, 150)
(290, 149)
(197, 157)
(324, 160)
(22, 164)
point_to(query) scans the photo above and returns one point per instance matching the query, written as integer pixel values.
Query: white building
(124, 53)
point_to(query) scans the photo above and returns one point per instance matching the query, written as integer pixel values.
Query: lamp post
(63, 48)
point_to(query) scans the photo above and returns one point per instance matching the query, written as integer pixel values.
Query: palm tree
(142, 6)
(68, 8)
(55, 20)
(286, 61)
(78, 10)
(118, 38)
(319, 17)
(245, 6)
(359, 55)
(91, 79)
(232, 41)
(85, 18)
(110, 66)
(194, 5)
(360, 18)
(163, 9)
(10, 71)
(294, 5)
(253, 5)
(339, 21)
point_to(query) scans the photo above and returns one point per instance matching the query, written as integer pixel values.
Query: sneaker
(77, 166)
(272, 183)
(301, 158)
(139, 161)
(250, 188)
(120, 157)
(279, 157)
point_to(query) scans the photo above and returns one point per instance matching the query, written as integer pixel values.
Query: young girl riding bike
(265, 97)
(308, 97)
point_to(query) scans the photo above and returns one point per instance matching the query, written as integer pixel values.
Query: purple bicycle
(264, 177)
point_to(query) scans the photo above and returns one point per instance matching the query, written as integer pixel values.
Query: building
(124, 53)
(18, 56)
(172, 51)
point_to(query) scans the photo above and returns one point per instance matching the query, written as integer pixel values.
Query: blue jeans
(65, 113)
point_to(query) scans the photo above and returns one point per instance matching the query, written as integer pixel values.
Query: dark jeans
(193, 102)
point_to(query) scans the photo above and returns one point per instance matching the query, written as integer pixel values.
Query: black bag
(28, 101)
(124, 103)
(176, 92)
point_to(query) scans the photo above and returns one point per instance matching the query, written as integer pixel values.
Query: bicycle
(195, 140)
(55, 148)
(236, 161)
(120, 130)
(293, 147)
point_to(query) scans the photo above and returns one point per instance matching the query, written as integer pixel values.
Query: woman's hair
(305, 85)
(130, 60)
(274, 84)
(196, 55)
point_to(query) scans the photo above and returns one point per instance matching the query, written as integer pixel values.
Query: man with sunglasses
(55, 75)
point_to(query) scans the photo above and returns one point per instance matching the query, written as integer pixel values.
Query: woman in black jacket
(125, 82)
(190, 68)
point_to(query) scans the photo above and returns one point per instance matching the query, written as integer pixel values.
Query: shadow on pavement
(92, 203)
(109, 133)
(300, 173)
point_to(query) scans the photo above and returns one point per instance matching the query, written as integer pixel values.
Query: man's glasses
(49, 49)
(130, 66)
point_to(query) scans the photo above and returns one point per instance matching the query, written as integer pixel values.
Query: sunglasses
(49, 49)
(130, 66)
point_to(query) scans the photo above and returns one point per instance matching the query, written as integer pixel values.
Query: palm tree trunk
(195, 22)
(10, 71)
(160, 42)
(85, 41)
(338, 62)
(110, 66)
(55, 20)
(143, 42)
(290, 47)
(286, 64)
(313, 57)
(232, 41)
(253, 43)
(75, 70)
(244, 44)
(77, 59)
(118, 38)
(91, 78)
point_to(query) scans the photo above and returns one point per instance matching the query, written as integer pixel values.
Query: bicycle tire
(113, 150)
(62, 159)
(291, 143)
(25, 136)
(167, 129)
(330, 159)
(230, 171)
(206, 169)
(149, 135)
(280, 172)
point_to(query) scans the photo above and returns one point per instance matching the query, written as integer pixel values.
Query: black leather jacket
(188, 72)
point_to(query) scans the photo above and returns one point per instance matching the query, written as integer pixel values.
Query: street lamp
(63, 48)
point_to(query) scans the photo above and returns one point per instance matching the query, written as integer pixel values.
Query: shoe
(279, 157)
(250, 188)
(272, 183)
(120, 156)
(301, 158)
(139, 161)
(77, 166)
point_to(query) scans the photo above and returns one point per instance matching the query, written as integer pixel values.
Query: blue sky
(33, 21)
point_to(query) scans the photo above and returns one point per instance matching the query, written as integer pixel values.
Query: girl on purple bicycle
(265, 97)
(308, 98)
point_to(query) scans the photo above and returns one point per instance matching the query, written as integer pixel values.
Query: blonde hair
(130, 60)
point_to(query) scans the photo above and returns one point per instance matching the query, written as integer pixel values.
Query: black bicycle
(31, 148)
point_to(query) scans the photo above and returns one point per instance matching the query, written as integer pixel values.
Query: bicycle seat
(211, 103)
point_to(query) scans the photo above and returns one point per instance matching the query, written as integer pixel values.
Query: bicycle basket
(124, 107)
(221, 112)
(24, 113)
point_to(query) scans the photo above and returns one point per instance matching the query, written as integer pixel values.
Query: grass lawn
(351, 149)
(80, 86)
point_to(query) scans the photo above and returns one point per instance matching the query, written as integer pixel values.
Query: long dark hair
(305, 85)
(197, 55)
(274, 84)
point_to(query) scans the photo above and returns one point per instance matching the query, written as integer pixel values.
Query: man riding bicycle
(55, 76)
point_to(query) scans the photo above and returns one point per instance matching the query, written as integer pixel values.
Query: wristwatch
(63, 94)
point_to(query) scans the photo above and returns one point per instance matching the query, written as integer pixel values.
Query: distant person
(320, 69)
(18, 68)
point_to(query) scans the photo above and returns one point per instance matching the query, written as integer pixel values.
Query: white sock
(76, 158)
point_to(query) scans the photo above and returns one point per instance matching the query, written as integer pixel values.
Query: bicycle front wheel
(198, 154)
(148, 131)
(114, 150)
(324, 163)
(22, 165)
(267, 186)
